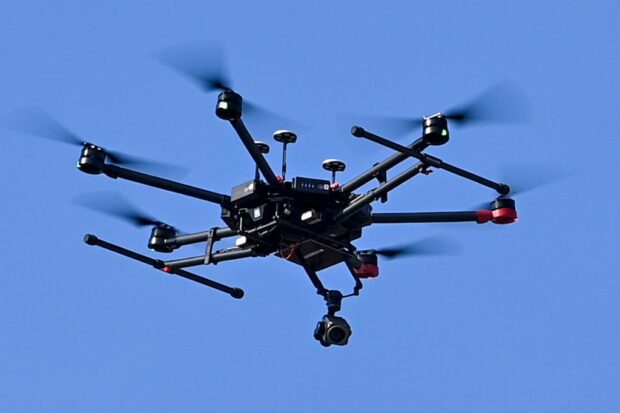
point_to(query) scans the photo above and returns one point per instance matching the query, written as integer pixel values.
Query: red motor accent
(367, 270)
(335, 186)
(167, 269)
(484, 216)
(504, 215)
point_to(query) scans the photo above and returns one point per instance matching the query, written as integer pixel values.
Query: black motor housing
(159, 234)
(229, 105)
(436, 130)
(91, 159)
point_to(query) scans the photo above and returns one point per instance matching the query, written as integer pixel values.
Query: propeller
(525, 177)
(201, 63)
(204, 65)
(113, 204)
(35, 121)
(429, 246)
(501, 103)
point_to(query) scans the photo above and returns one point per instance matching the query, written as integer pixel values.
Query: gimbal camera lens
(337, 334)
(332, 330)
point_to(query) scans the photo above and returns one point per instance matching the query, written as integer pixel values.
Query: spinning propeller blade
(525, 177)
(146, 164)
(427, 246)
(501, 103)
(113, 204)
(204, 65)
(36, 122)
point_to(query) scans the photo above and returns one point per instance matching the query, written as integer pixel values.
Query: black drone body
(309, 222)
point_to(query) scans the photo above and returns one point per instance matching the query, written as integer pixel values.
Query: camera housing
(332, 330)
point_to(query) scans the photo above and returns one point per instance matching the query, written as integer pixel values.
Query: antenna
(334, 165)
(286, 137)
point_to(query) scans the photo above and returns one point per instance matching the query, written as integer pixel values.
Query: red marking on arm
(484, 216)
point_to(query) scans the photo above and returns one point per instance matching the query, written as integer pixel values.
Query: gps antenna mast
(286, 137)
(334, 165)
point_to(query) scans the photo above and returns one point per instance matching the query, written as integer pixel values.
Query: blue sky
(525, 319)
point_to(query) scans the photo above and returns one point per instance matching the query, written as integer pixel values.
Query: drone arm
(215, 233)
(114, 171)
(226, 255)
(372, 173)
(416, 217)
(502, 189)
(381, 190)
(160, 265)
(258, 157)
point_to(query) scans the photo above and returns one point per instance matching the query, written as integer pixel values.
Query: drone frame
(93, 159)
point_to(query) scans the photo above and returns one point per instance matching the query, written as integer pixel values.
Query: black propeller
(524, 177)
(37, 122)
(201, 63)
(503, 102)
(434, 245)
(204, 65)
(113, 204)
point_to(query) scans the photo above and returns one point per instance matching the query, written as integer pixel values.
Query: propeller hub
(436, 129)
(504, 211)
(229, 105)
(369, 264)
(91, 159)
(369, 256)
(159, 234)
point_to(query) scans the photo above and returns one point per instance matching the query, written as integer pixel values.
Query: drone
(306, 221)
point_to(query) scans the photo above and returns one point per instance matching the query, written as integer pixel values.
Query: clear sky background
(525, 319)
